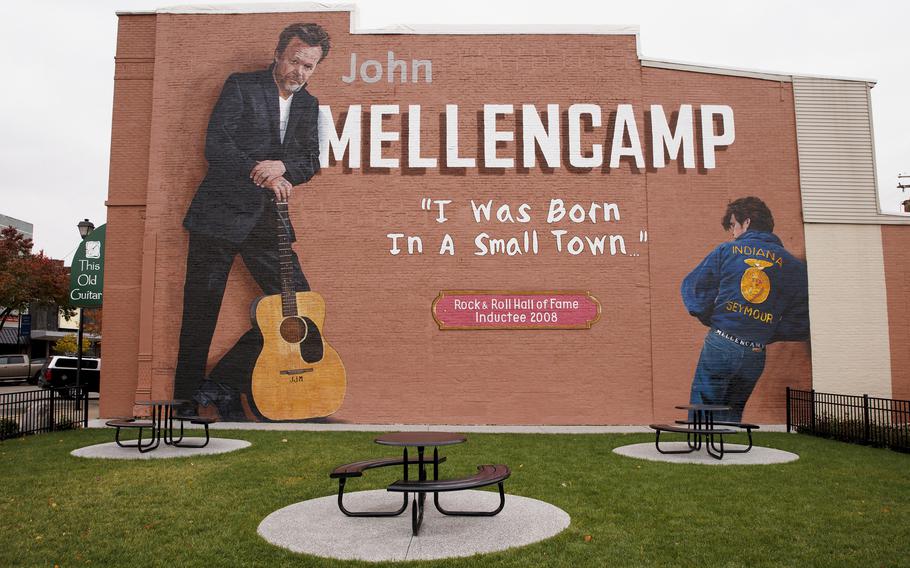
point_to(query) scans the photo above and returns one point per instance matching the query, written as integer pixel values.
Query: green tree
(66, 345)
(27, 277)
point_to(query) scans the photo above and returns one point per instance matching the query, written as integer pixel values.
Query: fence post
(84, 407)
(812, 409)
(866, 425)
(788, 410)
(51, 421)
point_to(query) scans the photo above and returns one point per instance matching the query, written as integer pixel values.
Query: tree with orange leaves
(27, 277)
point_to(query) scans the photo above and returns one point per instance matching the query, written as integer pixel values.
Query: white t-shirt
(284, 107)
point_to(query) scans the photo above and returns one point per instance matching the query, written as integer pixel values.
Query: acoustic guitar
(298, 375)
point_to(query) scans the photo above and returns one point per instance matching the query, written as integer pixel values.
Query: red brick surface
(896, 251)
(128, 182)
(684, 213)
(631, 367)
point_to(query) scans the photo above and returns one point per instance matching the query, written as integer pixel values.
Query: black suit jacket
(244, 129)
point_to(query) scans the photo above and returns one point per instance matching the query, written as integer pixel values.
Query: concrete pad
(319, 528)
(756, 456)
(112, 451)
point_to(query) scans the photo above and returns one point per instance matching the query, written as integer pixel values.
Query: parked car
(60, 371)
(18, 367)
(37, 365)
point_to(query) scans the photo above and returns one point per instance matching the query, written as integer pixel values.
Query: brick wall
(896, 250)
(631, 367)
(128, 182)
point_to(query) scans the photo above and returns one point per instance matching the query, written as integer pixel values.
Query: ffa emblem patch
(755, 284)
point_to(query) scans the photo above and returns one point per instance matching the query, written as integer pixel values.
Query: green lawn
(838, 505)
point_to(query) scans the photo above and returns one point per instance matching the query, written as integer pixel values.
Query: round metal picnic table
(421, 440)
(702, 418)
(163, 415)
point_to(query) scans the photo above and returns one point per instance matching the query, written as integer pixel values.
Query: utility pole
(903, 183)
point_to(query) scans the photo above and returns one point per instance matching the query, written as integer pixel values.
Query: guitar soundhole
(293, 329)
(311, 349)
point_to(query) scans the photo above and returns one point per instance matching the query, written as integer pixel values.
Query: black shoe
(225, 398)
(188, 408)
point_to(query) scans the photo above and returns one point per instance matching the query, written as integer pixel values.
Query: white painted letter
(534, 133)
(447, 246)
(350, 78)
(377, 136)
(377, 66)
(575, 157)
(557, 211)
(427, 65)
(397, 64)
(625, 120)
(452, 159)
(414, 159)
(709, 140)
(491, 136)
(663, 138)
(481, 210)
(350, 136)
(395, 236)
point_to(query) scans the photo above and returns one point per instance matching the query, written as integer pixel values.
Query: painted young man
(750, 292)
(262, 140)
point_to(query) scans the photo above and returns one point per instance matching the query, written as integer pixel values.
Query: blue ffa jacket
(751, 288)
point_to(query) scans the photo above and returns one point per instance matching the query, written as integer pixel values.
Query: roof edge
(245, 8)
(487, 29)
(419, 29)
(743, 72)
(507, 29)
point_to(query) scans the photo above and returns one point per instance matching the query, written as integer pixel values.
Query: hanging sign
(87, 271)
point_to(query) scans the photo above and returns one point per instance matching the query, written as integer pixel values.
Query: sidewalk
(466, 428)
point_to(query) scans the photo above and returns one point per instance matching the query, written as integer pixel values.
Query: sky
(58, 59)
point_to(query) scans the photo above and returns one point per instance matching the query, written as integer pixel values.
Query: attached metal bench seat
(356, 469)
(126, 423)
(486, 475)
(744, 425)
(202, 421)
(141, 425)
(684, 430)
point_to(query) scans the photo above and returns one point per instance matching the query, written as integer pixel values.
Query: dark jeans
(726, 374)
(208, 264)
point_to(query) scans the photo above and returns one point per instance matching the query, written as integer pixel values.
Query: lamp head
(85, 227)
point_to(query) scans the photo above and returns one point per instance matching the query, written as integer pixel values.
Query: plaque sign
(494, 309)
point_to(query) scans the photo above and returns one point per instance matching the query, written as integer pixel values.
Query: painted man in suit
(262, 140)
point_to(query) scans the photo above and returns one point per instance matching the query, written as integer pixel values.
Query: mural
(750, 292)
(262, 140)
(461, 229)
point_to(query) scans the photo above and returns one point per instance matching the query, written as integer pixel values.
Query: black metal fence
(862, 419)
(45, 410)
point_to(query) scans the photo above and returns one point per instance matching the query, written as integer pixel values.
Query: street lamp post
(85, 227)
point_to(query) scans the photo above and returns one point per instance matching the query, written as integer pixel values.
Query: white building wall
(848, 309)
